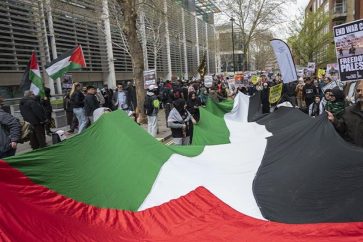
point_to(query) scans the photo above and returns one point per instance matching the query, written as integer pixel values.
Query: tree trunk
(136, 51)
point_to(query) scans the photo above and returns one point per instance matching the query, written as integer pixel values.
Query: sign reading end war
(149, 78)
(349, 47)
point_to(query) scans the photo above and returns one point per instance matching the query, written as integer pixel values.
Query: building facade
(224, 41)
(50, 27)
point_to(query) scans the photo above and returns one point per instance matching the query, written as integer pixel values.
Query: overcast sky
(292, 10)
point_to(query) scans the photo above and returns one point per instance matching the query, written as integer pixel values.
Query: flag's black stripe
(61, 57)
(308, 174)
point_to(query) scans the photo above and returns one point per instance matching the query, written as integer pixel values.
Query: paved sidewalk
(163, 135)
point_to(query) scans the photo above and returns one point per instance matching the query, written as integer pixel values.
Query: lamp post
(234, 62)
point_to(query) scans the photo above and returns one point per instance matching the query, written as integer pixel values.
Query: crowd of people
(181, 101)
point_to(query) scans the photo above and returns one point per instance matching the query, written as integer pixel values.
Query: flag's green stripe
(113, 164)
(37, 81)
(70, 67)
(212, 129)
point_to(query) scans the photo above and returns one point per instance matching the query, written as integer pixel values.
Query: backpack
(26, 130)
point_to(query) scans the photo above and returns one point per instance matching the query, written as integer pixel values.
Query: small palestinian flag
(32, 79)
(71, 60)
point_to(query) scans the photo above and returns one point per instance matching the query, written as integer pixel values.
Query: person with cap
(350, 124)
(151, 107)
(90, 103)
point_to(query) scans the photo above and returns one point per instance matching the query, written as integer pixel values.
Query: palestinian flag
(71, 60)
(32, 79)
(248, 177)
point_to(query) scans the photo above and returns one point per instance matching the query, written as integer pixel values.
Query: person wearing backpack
(10, 132)
(151, 107)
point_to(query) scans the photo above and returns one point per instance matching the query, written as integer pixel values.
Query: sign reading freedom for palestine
(349, 48)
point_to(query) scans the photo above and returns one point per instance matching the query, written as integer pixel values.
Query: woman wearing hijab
(336, 105)
(180, 122)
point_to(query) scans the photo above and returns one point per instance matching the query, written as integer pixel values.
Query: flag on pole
(71, 60)
(32, 79)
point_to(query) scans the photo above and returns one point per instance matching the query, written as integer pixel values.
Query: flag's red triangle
(33, 62)
(78, 57)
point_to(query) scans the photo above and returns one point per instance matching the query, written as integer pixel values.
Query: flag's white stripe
(36, 72)
(226, 170)
(56, 67)
(34, 89)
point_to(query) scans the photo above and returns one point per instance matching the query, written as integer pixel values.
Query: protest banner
(349, 48)
(275, 93)
(208, 81)
(285, 60)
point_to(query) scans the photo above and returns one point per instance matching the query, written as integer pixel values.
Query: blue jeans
(82, 119)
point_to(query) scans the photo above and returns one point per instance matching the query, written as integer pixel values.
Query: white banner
(284, 58)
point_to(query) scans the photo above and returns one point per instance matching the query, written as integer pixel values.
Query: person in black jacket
(90, 103)
(33, 112)
(48, 109)
(309, 92)
(10, 132)
(265, 98)
(77, 102)
(71, 119)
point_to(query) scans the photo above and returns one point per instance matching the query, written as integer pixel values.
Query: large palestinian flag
(248, 177)
(32, 79)
(70, 60)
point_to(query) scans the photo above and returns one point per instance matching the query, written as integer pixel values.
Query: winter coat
(90, 104)
(350, 125)
(32, 111)
(193, 107)
(10, 130)
(77, 99)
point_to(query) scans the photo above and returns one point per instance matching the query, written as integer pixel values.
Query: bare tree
(252, 16)
(261, 50)
(155, 28)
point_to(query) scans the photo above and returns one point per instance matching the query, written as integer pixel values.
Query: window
(340, 6)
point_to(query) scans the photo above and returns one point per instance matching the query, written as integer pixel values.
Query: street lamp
(234, 62)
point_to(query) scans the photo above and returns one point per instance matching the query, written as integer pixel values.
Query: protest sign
(311, 67)
(149, 78)
(321, 73)
(332, 71)
(349, 48)
(254, 80)
(275, 93)
(208, 81)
